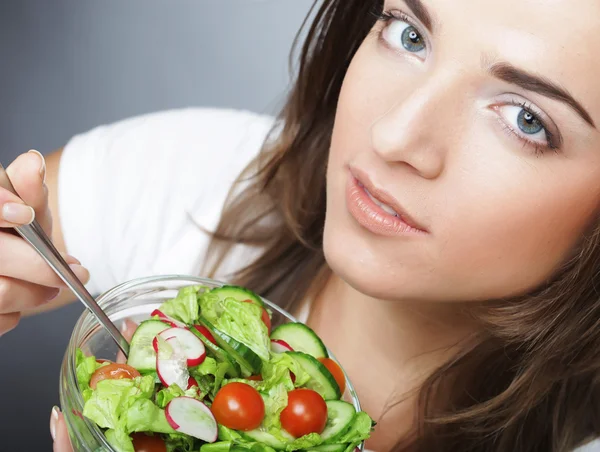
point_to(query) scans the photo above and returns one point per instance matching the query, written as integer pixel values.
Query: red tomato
(264, 316)
(207, 334)
(306, 412)
(238, 406)
(255, 378)
(113, 372)
(145, 443)
(336, 371)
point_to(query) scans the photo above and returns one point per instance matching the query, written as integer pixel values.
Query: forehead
(558, 39)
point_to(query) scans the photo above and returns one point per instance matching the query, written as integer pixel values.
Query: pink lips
(372, 216)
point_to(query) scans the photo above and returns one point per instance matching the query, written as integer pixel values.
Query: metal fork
(37, 238)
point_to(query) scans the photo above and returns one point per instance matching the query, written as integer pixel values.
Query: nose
(416, 130)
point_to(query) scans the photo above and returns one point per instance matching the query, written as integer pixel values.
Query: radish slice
(279, 346)
(165, 318)
(192, 417)
(192, 382)
(171, 363)
(207, 334)
(191, 346)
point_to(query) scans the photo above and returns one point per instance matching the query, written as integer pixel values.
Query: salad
(206, 373)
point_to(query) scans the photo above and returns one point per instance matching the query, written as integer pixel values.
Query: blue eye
(401, 35)
(412, 40)
(529, 123)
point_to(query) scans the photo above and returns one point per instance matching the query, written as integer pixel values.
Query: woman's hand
(26, 281)
(58, 427)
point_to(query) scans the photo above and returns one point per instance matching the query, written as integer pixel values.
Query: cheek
(522, 221)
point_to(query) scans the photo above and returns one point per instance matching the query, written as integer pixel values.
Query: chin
(361, 268)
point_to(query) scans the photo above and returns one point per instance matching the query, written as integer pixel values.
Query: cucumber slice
(321, 379)
(267, 439)
(221, 446)
(238, 293)
(219, 354)
(250, 363)
(141, 353)
(326, 448)
(340, 415)
(301, 338)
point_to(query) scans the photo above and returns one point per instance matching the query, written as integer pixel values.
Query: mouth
(377, 210)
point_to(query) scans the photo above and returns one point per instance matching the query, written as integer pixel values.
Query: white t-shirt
(134, 195)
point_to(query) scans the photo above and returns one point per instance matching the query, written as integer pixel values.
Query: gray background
(67, 66)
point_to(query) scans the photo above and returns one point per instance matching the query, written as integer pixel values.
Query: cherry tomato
(207, 334)
(255, 378)
(238, 406)
(336, 371)
(306, 412)
(145, 443)
(264, 317)
(112, 372)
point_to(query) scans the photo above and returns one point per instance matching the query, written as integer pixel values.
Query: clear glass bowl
(133, 300)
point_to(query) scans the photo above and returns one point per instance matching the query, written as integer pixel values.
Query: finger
(59, 432)
(21, 261)
(128, 327)
(27, 174)
(17, 295)
(8, 322)
(14, 212)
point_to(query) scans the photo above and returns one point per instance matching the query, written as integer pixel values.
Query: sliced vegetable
(336, 371)
(238, 293)
(249, 361)
(167, 319)
(204, 331)
(141, 354)
(192, 417)
(171, 363)
(301, 338)
(340, 416)
(238, 406)
(113, 372)
(279, 346)
(305, 413)
(192, 348)
(321, 379)
(217, 352)
(147, 443)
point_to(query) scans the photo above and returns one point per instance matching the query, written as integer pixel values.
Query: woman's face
(473, 124)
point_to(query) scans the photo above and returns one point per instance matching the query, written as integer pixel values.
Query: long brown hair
(530, 383)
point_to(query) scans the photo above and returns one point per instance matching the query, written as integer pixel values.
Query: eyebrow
(530, 82)
(421, 13)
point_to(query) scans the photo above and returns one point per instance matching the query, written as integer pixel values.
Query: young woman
(428, 198)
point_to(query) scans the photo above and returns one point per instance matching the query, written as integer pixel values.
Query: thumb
(60, 434)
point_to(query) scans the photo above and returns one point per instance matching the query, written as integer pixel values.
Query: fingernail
(53, 295)
(17, 213)
(42, 164)
(53, 421)
(72, 260)
(81, 272)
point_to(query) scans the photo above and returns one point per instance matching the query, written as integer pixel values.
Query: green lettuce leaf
(165, 395)
(184, 306)
(179, 442)
(226, 434)
(85, 366)
(220, 446)
(112, 398)
(242, 321)
(119, 440)
(276, 400)
(305, 442)
(277, 371)
(360, 430)
(145, 416)
(210, 375)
